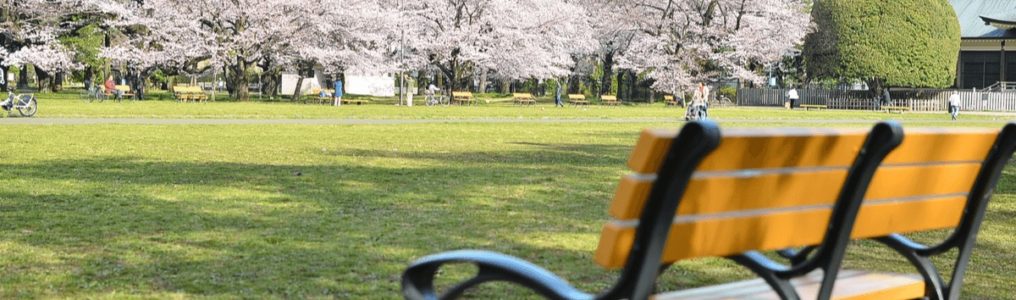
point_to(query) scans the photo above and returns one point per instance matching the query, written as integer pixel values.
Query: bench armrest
(418, 279)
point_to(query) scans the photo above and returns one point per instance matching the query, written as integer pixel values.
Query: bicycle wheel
(28, 108)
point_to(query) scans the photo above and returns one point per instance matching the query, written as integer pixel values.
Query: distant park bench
(697, 194)
(184, 93)
(577, 99)
(813, 106)
(462, 97)
(322, 95)
(609, 100)
(899, 109)
(523, 99)
(669, 100)
(347, 100)
(125, 91)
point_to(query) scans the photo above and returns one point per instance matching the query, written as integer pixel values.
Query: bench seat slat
(849, 285)
(733, 233)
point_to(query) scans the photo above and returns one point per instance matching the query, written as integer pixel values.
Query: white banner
(378, 86)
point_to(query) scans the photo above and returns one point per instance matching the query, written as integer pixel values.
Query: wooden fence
(916, 99)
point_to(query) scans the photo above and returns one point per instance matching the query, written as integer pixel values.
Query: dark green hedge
(912, 43)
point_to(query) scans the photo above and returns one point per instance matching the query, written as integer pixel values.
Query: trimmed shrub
(913, 43)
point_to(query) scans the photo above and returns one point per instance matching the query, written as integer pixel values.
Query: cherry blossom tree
(29, 32)
(236, 36)
(512, 38)
(681, 42)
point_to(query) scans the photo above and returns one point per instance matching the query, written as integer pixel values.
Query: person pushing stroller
(699, 108)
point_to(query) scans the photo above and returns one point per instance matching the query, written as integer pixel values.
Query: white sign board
(377, 86)
(288, 85)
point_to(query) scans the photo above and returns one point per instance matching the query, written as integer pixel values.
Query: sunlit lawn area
(307, 211)
(69, 105)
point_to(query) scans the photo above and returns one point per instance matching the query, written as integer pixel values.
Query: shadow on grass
(130, 225)
(254, 230)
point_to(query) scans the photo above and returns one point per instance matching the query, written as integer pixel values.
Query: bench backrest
(668, 98)
(576, 96)
(608, 98)
(123, 88)
(462, 94)
(772, 189)
(187, 89)
(522, 96)
(725, 208)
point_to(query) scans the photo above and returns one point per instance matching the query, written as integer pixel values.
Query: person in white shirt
(793, 96)
(954, 105)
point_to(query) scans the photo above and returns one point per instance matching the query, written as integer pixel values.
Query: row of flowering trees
(672, 43)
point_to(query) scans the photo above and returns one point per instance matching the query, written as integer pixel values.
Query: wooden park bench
(346, 100)
(184, 93)
(577, 99)
(316, 93)
(523, 99)
(699, 194)
(899, 109)
(462, 98)
(125, 92)
(813, 106)
(669, 100)
(609, 100)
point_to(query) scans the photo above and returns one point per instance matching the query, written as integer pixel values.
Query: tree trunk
(608, 74)
(138, 84)
(56, 83)
(451, 76)
(297, 91)
(238, 83)
(41, 79)
(89, 77)
(270, 83)
(483, 81)
(299, 81)
(23, 78)
(4, 84)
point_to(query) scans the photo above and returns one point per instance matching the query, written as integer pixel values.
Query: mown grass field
(310, 211)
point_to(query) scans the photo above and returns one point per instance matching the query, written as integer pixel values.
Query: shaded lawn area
(295, 211)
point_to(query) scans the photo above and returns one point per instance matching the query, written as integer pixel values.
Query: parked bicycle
(25, 104)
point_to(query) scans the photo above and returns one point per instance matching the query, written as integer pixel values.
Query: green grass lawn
(307, 211)
(69, 105)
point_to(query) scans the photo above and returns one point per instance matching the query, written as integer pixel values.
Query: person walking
(557, 96)
(793, 97)
(886, 99)
(337, 95)
(954, 105)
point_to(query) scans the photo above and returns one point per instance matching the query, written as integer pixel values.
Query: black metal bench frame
(638, 277)
(964, 236)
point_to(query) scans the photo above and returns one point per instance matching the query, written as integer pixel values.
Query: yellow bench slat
(940, 146)
(728, 234)
(811, 148)
(781, 190)
(740, 149)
